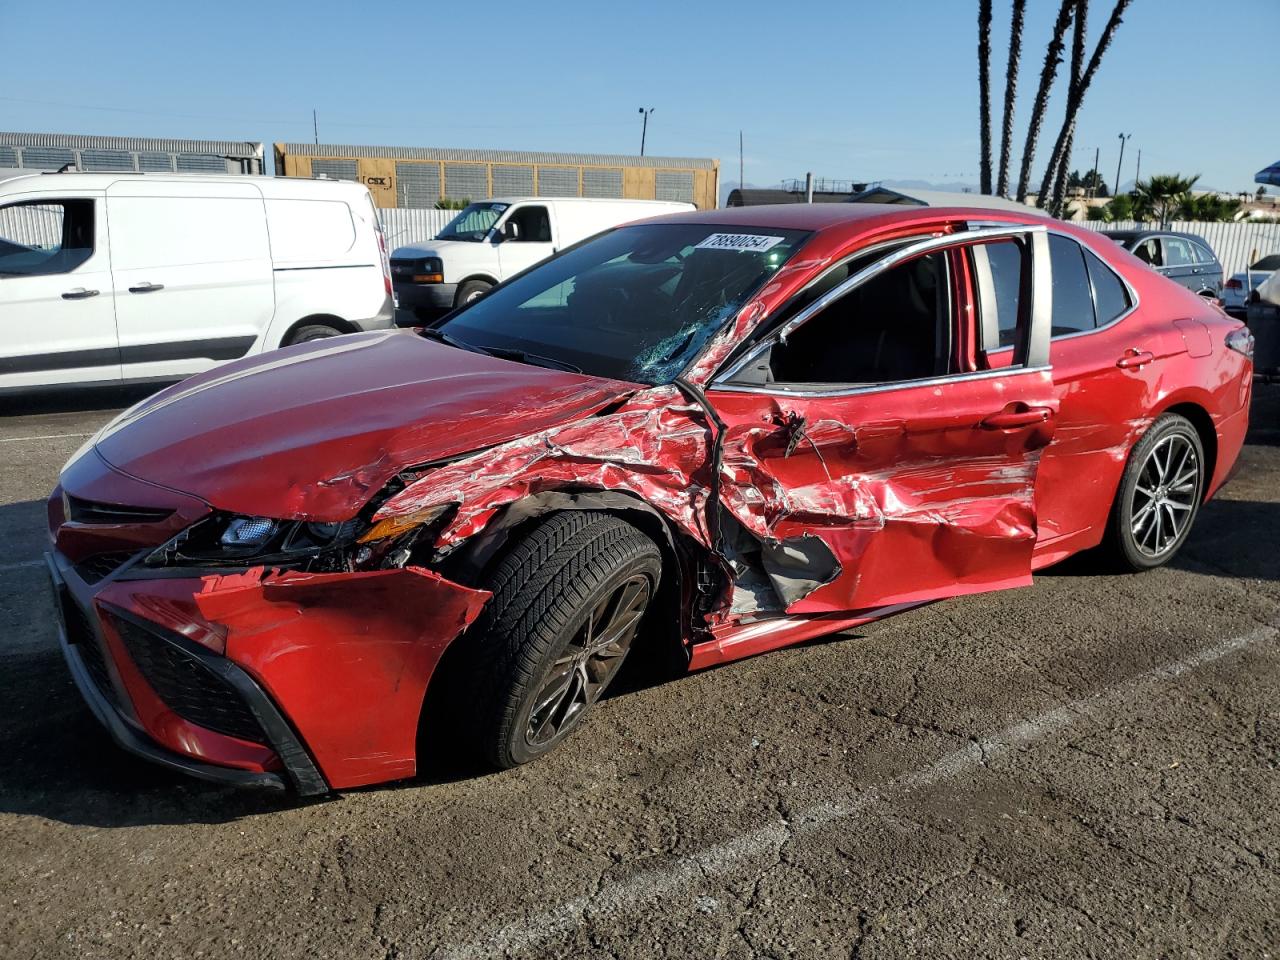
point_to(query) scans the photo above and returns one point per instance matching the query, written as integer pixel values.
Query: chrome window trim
(1134, 302)
(846, 390)
(908, 252)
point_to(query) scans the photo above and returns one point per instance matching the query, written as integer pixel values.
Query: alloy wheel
(1165, 496)
(583, 670)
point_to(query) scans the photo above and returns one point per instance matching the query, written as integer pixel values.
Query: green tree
(1098, 213)
(1091, 183)
(1208, 207)
(1010, 95)
(1160, 196)
(1048, 72)
(1121, 208)
(984, 90)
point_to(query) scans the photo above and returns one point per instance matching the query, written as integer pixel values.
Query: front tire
(313, 331)
(1160, 495)
(471, 291)
(568, 603)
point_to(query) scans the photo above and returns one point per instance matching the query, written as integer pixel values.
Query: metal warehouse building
(423, 176)
(53, 151)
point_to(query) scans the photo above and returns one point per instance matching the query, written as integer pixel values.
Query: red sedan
(702, 437)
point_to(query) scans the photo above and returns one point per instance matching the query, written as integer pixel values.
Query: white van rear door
(192, 272)
(57, 324)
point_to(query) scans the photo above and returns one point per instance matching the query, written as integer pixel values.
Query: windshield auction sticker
(742, 242)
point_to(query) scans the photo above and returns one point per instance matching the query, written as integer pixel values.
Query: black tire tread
(538, 588)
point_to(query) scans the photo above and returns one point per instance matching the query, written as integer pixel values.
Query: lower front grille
(187, 687)
(80, 634)
(95, 568)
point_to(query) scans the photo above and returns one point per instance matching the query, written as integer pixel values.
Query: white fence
(404, 226)
(1236, 245)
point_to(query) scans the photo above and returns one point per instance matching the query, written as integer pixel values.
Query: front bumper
(425, 297)
(113, 700)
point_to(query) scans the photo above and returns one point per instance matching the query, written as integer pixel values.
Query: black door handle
(146, 288)
(79, 293)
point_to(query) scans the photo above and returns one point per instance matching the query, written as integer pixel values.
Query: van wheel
(313, 331)
(470, 291)
(568, 603)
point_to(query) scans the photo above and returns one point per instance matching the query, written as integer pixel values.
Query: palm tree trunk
(1075, 98)
(1055, 176)
(984, 89)
(1010, 95)
(1052, 57)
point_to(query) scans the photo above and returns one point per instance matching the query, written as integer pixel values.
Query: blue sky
(856, 90)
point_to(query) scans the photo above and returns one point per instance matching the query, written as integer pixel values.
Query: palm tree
(1052, 57)
(1010, 94)
(1163, 194)
(1061, 154)
(1054, 184)
(984, 89)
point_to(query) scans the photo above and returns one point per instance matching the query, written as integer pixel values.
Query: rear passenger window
(1177, 252)
(1111, 297)
(998, 270)
(1203, 254)
(1072, 294)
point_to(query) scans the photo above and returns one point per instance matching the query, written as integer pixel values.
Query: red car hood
(314, 431)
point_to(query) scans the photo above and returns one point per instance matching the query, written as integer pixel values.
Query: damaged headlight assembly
(233, 540)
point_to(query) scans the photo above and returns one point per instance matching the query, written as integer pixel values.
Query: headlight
(228, 539)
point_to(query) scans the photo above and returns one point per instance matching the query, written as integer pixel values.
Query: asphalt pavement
(1085, 768)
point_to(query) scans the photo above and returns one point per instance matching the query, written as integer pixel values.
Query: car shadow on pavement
(1236, 538)
(76, 400)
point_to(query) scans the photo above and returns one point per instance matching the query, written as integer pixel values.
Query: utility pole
(1093, 183)
(741, 182)
(1120, 162)
(315, 125)
(808, 188)
(1138, 173)
(644, 128)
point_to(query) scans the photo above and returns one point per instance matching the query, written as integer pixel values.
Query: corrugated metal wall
(32, 225)
(1236, 245)
(405, 226)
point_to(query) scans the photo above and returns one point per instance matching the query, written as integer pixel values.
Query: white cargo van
(109, 277)
(490, 241)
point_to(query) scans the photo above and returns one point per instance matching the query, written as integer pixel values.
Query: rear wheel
(313, 331)
(470, 291)
(1159, 495)
(568, 604)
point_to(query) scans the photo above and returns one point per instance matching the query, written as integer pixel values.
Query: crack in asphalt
(772, 839)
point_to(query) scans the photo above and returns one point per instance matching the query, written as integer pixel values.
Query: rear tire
(313, 331)
(1159, 496)
(471, 291)
(568, 602)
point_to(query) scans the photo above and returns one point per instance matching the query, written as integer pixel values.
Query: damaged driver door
(870, 455)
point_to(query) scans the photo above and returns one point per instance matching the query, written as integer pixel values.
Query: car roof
(1143, 234)
(826, 216)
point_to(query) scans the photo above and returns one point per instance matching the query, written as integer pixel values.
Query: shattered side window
(638, 303)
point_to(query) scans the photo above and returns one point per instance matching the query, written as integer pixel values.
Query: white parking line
(49, 436)
(724, 858)
(21, 565)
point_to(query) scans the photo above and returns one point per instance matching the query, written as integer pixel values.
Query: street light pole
(1123, 137)
(644, 128)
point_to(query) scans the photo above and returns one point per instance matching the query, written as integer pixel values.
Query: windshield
(473, 223)
(1267, 263)
(637, 303)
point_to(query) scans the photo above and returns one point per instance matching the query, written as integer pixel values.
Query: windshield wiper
(435, 333)
(537, 359)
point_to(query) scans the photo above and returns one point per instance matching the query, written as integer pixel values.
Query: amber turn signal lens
(394, 526)
(428, 278)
